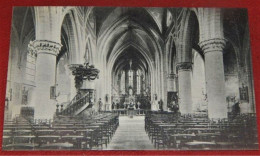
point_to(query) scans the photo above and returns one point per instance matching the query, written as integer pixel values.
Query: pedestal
(107, 107)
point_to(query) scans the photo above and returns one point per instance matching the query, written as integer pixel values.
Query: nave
(74, 72)
(131, 135)
(155, 130)
(106, 131)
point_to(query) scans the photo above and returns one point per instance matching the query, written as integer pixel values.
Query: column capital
(213, 45)
(44, 46)
(184, 66)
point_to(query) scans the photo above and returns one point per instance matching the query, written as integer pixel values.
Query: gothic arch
(151, 65)
(189, 37)
(231, 70)
(119, 66)
(115, 31)
(138, 40)
(24, 30)
(73, 39)
(119, 13)
(172, 57)
(13, 56)
(89, 51)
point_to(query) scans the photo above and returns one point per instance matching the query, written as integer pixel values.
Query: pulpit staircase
(78, 104)
(81, 102)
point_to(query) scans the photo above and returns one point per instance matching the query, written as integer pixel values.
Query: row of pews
(198, 132)
(62, 133)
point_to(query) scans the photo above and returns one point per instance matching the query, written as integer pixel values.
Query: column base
(44, 107)
(107, 107)
(45, 112)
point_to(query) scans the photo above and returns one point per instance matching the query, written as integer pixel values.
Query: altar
(130, 98)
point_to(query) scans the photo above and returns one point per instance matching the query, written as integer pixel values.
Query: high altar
(131, 87)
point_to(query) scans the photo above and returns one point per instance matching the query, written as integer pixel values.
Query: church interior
(123, 78)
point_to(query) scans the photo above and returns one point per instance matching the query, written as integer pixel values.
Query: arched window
(122, 85)
(30, 66)
(131, 78)
(138, 79)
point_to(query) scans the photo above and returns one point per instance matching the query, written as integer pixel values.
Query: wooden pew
(194, 131)
(77, 134)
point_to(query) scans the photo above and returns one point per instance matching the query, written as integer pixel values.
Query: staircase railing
(76, 103)
(76, 97)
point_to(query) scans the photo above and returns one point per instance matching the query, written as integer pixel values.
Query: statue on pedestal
(130, 92)
(138, 105)
(155, 105)
(100, 105)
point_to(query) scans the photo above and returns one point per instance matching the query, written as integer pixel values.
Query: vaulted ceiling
(117, 28)
(150, 17)
(130, 54)
(23, 22)
(137, 33)
(132, 28)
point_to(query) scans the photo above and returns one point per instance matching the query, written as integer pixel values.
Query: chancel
(125, 78)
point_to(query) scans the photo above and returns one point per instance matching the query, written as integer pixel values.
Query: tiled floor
(130, 135)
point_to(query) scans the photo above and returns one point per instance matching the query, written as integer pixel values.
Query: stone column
(215, 78)
(185, 98)
(171, 82)
(45, 77)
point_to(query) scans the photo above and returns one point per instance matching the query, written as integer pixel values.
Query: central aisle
(130, 135)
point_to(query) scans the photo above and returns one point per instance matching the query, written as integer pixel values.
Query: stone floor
(130, 135)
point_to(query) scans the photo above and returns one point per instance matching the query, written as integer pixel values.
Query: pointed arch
(189, 37)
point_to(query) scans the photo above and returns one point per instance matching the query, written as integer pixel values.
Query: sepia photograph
(129, 78)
